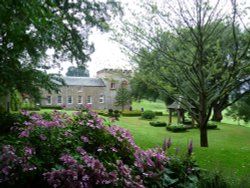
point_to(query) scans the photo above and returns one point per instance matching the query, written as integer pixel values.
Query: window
(112, 85)
(49, 99)
(79, 99)
(70, 99)
(124, 84)
(89, 100)
(101, 99)
(59, 99)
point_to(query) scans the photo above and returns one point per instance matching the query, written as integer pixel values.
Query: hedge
(157, 123)
(148, 114)
(51, 107)
(30, 108)
(176, 128)
(131, 113)
(211, 126)
(158, 113)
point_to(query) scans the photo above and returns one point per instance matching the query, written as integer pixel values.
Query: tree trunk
(203, 136)
(204, 115)
(218, 108)
(217, 114)
(5, 103)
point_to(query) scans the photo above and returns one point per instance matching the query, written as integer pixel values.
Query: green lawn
(150, 105)
(229, 146)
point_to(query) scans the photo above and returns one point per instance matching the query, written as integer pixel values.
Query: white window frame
(89, 100)
(49, 100)
(79, 99)
(101, 98)
(71, 98)
(61, 101)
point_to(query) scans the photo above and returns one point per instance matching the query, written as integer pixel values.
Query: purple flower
(113, 149)
(85, 139)
(169, 143)
(24, 134)
(43, 137)
(27, 123)
(67, 159)
(6, 170)
(24, 112)
(190, 148)
(28, 151)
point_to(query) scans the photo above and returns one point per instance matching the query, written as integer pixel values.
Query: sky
(107, 55)
(107, 52)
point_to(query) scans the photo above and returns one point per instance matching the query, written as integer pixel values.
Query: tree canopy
(123, 97)
(182, 49)
(79, 71)
(30, 28)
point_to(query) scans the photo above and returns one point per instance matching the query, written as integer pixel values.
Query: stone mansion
(100, 92)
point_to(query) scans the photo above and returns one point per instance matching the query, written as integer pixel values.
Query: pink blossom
(85, 139)
(43, 137)
(24, 134)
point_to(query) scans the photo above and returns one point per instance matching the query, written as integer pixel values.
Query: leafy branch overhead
(193, 49)
(30, 28)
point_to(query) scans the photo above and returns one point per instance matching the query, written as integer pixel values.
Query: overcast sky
(107, 53)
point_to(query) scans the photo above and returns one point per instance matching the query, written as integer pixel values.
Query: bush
(157, 124)
(71, 151)
(31, 108)
(211, 126)
(187, 122)
(131, 113)
(157, 113)
(176, 128)
(112, 114)
(102, 112)
(148, 114)
(51, 107)
(7, 120)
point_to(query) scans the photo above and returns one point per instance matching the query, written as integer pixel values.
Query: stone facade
(100, 92)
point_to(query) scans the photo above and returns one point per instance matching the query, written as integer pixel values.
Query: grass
(229, 145)
(150, 105)
(228, 149)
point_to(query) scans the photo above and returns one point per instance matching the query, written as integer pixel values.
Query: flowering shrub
(81, 151)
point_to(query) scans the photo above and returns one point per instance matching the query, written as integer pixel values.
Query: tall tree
(123, 97)
(30, 28)
(79, 71)
(240, 110)
(183, 41)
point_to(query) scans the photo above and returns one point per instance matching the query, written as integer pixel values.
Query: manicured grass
(150, 105)
(229, 146)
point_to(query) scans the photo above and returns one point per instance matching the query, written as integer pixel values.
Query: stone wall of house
(113, 79)
(101, 98)
(79, 95)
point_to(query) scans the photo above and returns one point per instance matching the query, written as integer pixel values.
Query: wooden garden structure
(179, 108)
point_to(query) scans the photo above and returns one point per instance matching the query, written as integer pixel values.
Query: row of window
(70, 99)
